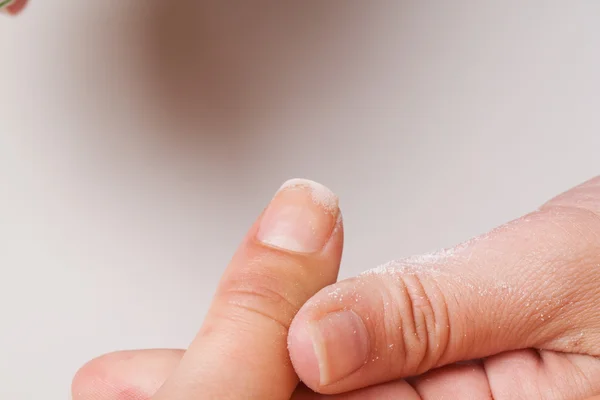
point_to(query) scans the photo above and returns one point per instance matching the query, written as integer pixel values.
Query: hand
(520, 299)
(291, 252)
(12, 6)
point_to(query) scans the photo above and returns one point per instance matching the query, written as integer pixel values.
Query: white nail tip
(321, 195)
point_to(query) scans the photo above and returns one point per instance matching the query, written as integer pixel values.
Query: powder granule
(320, 194)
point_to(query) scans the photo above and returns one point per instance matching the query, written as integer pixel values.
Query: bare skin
(292, 251)
(520, 300)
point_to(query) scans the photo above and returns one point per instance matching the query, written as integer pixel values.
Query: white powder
(411, 266)
(336, 294)
(320, 194)
(435, 265)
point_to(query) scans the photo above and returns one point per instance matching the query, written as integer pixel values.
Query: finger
(137, 375)
(530, 283)
(12, 6)
(131, 375)
(543, 374)
(291, 252)
(522, 374)
(387, 391)
(459, 381)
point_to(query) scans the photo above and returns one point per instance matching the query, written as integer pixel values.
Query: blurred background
(140, 139)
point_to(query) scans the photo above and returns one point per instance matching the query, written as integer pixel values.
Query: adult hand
(520, 300)
(12, 6)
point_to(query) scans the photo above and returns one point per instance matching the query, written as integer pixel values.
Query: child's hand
(521, 301)
(12, 7)
(291, 252)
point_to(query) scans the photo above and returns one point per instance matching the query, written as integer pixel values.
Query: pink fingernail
(300, 218)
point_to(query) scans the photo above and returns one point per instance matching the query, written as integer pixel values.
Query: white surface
(139, 139)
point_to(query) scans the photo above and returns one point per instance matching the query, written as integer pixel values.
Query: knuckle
(252, 298)
(416, 317)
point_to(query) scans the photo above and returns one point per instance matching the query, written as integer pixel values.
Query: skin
(519, 300)
(241, 348)
(482, 300)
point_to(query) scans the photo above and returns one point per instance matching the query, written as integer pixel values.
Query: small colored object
(12, 6)
(6, 3)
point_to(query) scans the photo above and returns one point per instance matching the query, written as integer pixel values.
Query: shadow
(205, 78)
(231, 64)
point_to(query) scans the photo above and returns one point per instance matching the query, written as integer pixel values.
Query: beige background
(140, 138)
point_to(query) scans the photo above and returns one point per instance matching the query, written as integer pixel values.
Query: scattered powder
(336, 294)
(403, 267)
(338, 224)
(577, 341)
(430, 258)
(498, 287)
(346, 296)
(434, 265)
(320, 194)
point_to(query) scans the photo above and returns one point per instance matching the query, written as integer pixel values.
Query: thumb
(291, 252)
(527, 284)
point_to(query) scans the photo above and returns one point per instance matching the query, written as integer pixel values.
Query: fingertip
(302, 352)
(328, 341)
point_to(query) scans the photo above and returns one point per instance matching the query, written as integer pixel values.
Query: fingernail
(300, 218)
(341, 345)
